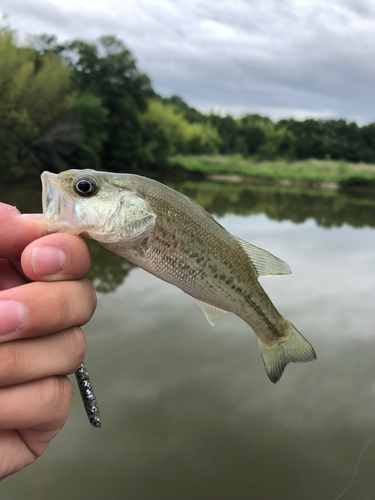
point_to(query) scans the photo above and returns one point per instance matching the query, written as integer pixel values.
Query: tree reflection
(327, 208)
(108, 269)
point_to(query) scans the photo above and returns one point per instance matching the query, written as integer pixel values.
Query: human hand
(44, 300)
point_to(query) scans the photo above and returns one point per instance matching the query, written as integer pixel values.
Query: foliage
(176, 134)
(259, 138)
(87, 105)
(108, 71)
(76, 138)
(34, 92)
(91, 112)
(262, 139)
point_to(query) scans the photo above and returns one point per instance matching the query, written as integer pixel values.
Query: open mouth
(58, 207)
(50, 197)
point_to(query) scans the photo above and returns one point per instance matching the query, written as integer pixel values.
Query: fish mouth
(50, 196)
(58, 208)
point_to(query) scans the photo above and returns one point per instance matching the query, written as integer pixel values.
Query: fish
(172, 237)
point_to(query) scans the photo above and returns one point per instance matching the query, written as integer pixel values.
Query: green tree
(176, 134)
(227, 128)
(192, 115)
(76, 138)
(334, 139)
(108, 71)
(94, 117)
(368, 136)
(262, 137)
(35, 90)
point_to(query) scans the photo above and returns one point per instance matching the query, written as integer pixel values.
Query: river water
(188, 412)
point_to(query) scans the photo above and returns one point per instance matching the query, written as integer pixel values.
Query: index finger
(17, 231)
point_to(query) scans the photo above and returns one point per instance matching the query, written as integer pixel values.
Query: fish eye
(86, 186)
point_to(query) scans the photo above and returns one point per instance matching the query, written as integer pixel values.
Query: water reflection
(108, 270)
(327, 208)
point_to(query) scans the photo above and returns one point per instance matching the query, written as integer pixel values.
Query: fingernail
(31, 216)
(13, 211)
(12, 316)
(47, 260)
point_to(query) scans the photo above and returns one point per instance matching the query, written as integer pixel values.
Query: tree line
(80, 104)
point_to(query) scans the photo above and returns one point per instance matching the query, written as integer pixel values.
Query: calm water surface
(188, 412)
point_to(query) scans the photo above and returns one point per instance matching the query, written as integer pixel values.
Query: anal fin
(212, 313)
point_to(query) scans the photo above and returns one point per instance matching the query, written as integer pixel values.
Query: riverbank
(326, 174)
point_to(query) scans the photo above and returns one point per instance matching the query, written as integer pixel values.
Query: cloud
(274, 56)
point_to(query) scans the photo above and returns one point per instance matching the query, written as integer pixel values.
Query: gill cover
(131, 222)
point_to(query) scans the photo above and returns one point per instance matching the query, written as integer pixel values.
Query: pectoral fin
(264, 262)
(212, 313)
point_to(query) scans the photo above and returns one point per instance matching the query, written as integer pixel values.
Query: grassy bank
(312, 171)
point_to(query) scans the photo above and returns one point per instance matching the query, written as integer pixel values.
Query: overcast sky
(300, 58)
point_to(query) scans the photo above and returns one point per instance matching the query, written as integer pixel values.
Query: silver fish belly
(173, 238)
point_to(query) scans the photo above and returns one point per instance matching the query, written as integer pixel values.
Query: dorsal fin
(264, 262)
(212, 313)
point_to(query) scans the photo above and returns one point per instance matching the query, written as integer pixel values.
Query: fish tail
(292, 347)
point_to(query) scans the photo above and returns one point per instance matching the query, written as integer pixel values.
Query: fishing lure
(88, 396)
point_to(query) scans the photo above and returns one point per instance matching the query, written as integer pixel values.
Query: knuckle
(63, 302)
(76, 300)
(69, 304)
(79, 346)
(90, 297)
(57, 395)
(91, 293)
(11, 360)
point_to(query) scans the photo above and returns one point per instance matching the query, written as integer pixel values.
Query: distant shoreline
(330, 175)
(281, 182)
(332, 186)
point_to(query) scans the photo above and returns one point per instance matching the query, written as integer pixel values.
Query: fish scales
(173, 238)
(174, 253)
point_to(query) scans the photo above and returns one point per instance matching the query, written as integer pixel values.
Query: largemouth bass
(170, 236)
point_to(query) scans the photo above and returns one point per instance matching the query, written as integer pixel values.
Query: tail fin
(292, 347)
